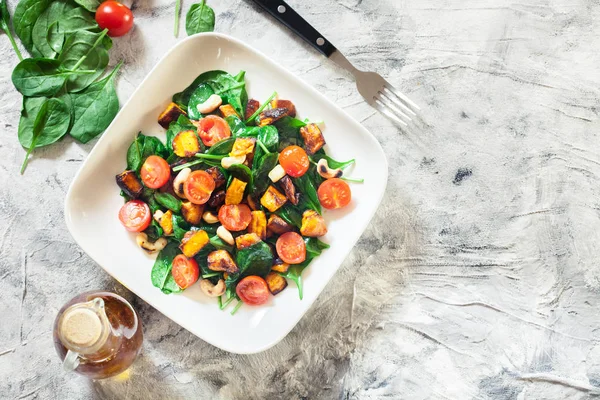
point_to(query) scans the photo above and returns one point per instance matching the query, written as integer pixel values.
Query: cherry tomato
(155, 172)
(198, 187)
(235, 217)
(212, 130)
(294, 161)
(334, 193)
(185, 271)
(291, 248)
(135, 215)
(253, 290)
(114, 16)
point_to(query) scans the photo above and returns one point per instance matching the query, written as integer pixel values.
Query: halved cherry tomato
(235, 217)
(155, 172)
(253, 290)
(185, 271)
(294, 161)
(212, 130)
(334, 193)
(115, 16)
(198, 187)
(135, 215)
(291, 248)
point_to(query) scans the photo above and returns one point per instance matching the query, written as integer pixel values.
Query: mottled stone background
(477, 279)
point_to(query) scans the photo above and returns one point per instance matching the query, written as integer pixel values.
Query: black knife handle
(290, 18)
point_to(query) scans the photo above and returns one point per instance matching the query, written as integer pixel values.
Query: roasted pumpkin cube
(220, 260)
(166, 222)
(186, 144)
(278, 103)
(273, 199)
(252, 203)
(268, 117)
(313, 224)
(217, 176)
(171, 113)
(258, 224)
(193, 242)
(278, 226)
(227, 110)
(242, 146)
(246, 240)
(217, 199)
(290, 190)
(280, 266)
(252, 106)
(191, 212)
(313, 138)
(235, 192)
(130, 184)
(275, 282)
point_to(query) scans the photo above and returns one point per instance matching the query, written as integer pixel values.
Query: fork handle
(282, 12)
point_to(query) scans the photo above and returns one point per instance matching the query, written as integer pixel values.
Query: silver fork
(378, 92)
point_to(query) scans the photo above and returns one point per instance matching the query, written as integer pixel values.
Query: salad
(234, 198)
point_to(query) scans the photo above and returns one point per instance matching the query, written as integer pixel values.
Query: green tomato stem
(266, 103)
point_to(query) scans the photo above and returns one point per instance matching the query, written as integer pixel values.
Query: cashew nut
(144, 243)
(229, 161)
(225, 235)
(326, 172)
(210, 104)
(212, 290)
(210, 218)
(158, 215)
(180, 180)
(276, 173)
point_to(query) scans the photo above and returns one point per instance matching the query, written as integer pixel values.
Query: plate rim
(313, 92)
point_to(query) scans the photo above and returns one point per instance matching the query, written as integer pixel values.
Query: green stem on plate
(262, 146)
(210, 156)
(265, 104)
(177, 12)
(237, 307)
(353, 180)
(227, 302)
(210, 275)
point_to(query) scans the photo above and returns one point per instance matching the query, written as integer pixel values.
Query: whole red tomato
(115, 17)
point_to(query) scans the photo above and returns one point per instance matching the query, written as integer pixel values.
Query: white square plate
(93, 200)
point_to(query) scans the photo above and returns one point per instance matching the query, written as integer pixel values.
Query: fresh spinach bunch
(70, 55)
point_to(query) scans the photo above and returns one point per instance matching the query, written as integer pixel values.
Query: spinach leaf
(200, 95)
(90, 5)
(289, 132)
(154, 231)
(168, 201)
(5, 26)
(180, 227)
(290, 214)
(231, 89)
(254, 260)
(36, 77)
(73, 21)
(241, 172)
(269, 137)
(294, 273)
(239, 129)
(26, 14)
(84, 50)
(314, 248)
(49, 18)
(143, 147)
(219, 244)
(331, 162)
(200, 18)
(161, 271)
(51, 123)
(307, 187)
(31, 109)
(148, 197)
(222, 148)
(260, 172)
(94, 108)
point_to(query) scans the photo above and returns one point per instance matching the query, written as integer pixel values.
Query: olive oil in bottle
(97, 334)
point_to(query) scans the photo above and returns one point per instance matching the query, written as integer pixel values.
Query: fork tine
(402, 96)
(389, 103)
(386, 111)
(398, 101)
